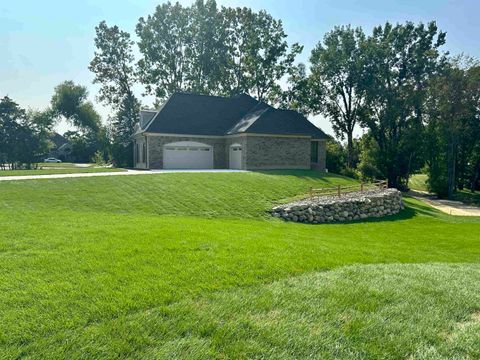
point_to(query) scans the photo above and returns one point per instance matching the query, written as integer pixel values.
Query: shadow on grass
(412, 209)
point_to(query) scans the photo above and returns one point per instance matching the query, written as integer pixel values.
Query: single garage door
(235, 157)
(187, 155)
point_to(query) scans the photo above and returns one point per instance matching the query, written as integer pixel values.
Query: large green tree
(23, 134)
(258, 53)
(337, 69)
(298, 94)
(210, 51)
(164, 44)
(70, 101)
(453, 129)
(114, 69)
(400, 61)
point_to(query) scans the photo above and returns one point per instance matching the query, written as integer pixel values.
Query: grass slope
(136, 266)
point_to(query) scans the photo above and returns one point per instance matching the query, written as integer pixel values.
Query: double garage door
(187, 155)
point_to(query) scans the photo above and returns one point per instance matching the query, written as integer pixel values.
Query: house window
(314, 152)
(137, 154)
(144, 153)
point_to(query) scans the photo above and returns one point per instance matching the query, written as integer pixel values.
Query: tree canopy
(213, 51)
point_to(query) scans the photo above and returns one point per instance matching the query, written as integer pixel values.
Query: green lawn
(192, 266)
(418, 182)
(49, 171)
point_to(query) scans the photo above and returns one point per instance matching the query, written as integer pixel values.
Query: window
(314, 152)
(137, 155)
(144, 153)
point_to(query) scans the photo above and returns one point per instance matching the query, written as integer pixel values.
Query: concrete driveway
(450, 207)
(121, 173)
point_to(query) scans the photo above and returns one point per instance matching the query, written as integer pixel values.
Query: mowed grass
(192, 266)
(418, 182)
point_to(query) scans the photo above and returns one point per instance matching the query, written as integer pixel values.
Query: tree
(258, 53)
(215, 52)
(453, 128)
(298, 94)
(70, 101)
(335, 80)
(208, 52)
(23, 135)
(164, 44)
(336, 159)
(10, 116)
(113, 66)
(400, 61)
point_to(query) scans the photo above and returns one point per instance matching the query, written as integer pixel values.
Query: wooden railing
(339, 190)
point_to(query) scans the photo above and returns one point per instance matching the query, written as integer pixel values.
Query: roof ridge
(211, 96)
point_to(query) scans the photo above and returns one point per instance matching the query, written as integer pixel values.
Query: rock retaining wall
(353, 206)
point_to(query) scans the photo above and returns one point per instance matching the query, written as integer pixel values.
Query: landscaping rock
(352, 206)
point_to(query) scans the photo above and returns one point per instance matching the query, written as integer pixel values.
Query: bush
(99, 159)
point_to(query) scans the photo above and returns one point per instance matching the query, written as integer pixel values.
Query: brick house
(210, 132)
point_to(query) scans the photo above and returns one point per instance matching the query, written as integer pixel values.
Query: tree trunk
(451, 167)
(392, 177)
(476, 174)
(350, 150)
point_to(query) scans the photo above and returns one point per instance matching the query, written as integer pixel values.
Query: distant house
(61, 147)
(209, 132)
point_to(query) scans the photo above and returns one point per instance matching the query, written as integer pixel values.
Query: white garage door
(187, 155)
(235, 157)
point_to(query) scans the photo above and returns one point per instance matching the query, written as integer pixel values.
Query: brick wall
(156, 143)
(258, 152)
(268, 152)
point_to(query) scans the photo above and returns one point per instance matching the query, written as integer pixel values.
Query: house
(193, 131)
(61, 147)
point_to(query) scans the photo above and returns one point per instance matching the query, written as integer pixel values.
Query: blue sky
(43, 43)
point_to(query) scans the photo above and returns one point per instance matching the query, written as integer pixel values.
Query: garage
(187, 155)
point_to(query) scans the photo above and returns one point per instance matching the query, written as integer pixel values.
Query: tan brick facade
(258, 152)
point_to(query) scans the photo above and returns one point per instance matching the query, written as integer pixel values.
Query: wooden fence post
(339, 190)
(311, 192)
(361, 186)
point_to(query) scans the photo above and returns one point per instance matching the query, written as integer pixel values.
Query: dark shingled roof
(195, 114)
(57, 139)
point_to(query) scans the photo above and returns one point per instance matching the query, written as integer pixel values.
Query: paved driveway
(447, 206)
(121, 173)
